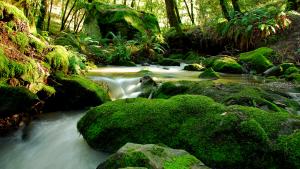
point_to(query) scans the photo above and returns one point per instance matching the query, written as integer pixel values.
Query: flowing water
(52, 142)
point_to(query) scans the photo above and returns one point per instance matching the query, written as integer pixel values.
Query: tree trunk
(64, 20)
(188, 10)
(43, 14)
(236, 6)
(224, 9)
(171, 14)
(125, 2)
(49, 16)
(292, 5)
(177, 11)
(192, 12)
(132, 3)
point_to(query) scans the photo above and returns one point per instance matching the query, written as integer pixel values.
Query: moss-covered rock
(209, 74)
(169, 62)
(222, 137)
(119, 19)
(225, 64)
(152, 157)
(230, 94)
(74, 92)
(290, 148)
(258, 60)
(12, 13)
(194, 67)
(15, 100)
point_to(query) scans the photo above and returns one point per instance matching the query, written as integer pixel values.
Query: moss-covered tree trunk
(224, 9)
(172, 16)
(43, 14)
(49, 15)
(292, 5)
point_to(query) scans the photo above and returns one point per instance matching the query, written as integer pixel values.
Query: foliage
(21, 39)
(247, 29)
(209, 73)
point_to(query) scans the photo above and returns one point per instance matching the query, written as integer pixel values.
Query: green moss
(223, 137)
(119, 18)
(247, 95)
(182, 162)
(38, 44)
(258, 60)
(7, 10)
(209, 74)
(290, 146)
(58, 59)
(291, 70)
(74, 92)
(21, 39)
(293, 77)
(224, 64)
(194, 67)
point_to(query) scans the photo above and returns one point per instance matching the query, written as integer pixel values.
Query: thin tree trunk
(132, 3)
(49, 16)
(171, 14)
(192, 12)
(64, 11)
(177, 11)
(78, 26)
(67, 16)
(125, 2)
(188, 10)
(43, 14)
(224, 9)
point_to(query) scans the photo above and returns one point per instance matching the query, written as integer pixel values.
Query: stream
(53, 142)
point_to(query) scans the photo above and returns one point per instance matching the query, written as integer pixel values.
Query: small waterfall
(120, 88)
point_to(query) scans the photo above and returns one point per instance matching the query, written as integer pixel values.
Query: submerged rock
(222, 137)
(151, 156)
(104, 18)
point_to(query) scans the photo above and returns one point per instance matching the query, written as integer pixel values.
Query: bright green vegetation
(231, 94)
(84, 93)
(222, 137)
(224, 64)
(119, 19)
(209, 74)
(21, 39)
(258, 60)
(7, 9)
(151, 156)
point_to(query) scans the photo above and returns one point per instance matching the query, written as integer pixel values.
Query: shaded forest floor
(288, 45)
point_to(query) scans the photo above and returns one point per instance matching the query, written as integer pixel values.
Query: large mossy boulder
(151, 156)
(14, 100)
(222, 137)
(258, 60)
(232, 94)
(103, 18)
(74, 92)
(224, 64)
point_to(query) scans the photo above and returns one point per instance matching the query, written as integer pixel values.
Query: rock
(221, 136)
(104, 18)
(258, 60)
(225, 64)
(209, 74)
(168, 62)
(15, 100)
(193, 67)
(74, 92)
(151, 156)
(274, 71)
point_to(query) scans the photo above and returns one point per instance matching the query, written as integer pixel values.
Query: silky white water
(49, 143)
